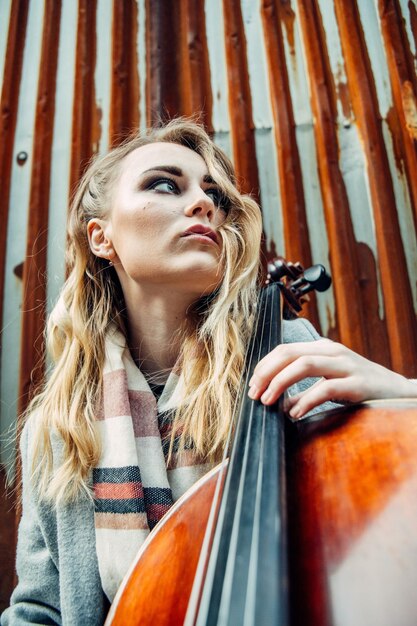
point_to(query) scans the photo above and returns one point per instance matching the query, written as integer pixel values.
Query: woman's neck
(154, 340)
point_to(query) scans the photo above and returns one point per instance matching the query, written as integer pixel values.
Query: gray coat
(59, 581)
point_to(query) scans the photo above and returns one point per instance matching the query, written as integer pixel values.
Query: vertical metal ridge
(178, 71)
(400, 316)
(164, 72)
(8, 119)
(404, 88)
(201, 99)
(85, 115)
(413, 20)
(184, 70)
(10, 93)
(124, 107)
(296, 236)
(240, 102)
(336, 207)
(34, 272)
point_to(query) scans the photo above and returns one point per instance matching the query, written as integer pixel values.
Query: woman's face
(164, 220)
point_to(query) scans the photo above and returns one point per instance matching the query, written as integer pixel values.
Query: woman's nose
(200, 204)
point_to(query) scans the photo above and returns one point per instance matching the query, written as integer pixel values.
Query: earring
(110, 261)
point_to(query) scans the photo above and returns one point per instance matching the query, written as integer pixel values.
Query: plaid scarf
(133, 487)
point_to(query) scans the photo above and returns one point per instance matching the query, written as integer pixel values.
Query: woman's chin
(205, 281)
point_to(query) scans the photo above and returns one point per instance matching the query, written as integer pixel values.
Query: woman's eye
(165, 185)
(219, 199)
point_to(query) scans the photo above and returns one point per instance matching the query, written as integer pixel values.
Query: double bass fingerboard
(246, 577)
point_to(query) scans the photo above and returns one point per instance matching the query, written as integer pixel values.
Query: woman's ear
(99, 242)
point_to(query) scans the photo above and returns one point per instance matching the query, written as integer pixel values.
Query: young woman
(148, 340)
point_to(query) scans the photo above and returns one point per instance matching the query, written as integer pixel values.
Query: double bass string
(231, 608)
(270, 593)
(205, 572)
(234, 568)
(261, 579)
(234, 610)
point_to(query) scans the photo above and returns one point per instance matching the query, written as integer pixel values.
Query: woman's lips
(204, 234)
(202, 238)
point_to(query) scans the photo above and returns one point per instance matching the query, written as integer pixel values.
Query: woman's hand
(344, 376)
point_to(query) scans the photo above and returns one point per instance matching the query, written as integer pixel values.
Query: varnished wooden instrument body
(352, 519)
(157, 590)
(352, 486)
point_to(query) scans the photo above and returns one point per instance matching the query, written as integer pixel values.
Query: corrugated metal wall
(315, 100)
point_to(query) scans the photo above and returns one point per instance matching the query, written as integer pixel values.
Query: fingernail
(295, 411)
(266, 396)
(253, 392)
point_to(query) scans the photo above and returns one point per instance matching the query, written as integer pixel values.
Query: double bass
(305, 523)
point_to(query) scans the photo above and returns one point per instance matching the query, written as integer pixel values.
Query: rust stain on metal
(34, 272)
(400, 316)
(343, 95)
(201, 100)
(344, 98)
(85, 114)
(164, 72)
(412, 8)
(409, 108)
(240, 102)
(404, 87)
(8, 118)
(287, 17)
(8, 111)
(124, 108)
(376, 329)
(394, 125)
(349, 309)
(178, 71)
(297, 243)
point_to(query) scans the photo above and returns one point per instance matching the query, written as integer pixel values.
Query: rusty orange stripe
(118, 491)
(335, 203)
(404, 90)
(9, 106)
(124, 105)
(85, 113)
(399, 311)
(296, 237)
(34, 272)
(240, 100)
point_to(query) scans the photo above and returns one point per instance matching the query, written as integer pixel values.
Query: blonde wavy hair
(214, 337)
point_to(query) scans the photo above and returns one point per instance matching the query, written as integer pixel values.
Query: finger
(290, 401)
(305, 366)
(284, 354)
(346, 389)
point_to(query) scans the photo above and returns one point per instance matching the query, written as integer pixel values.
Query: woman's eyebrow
(176, 171)
(169, 169)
